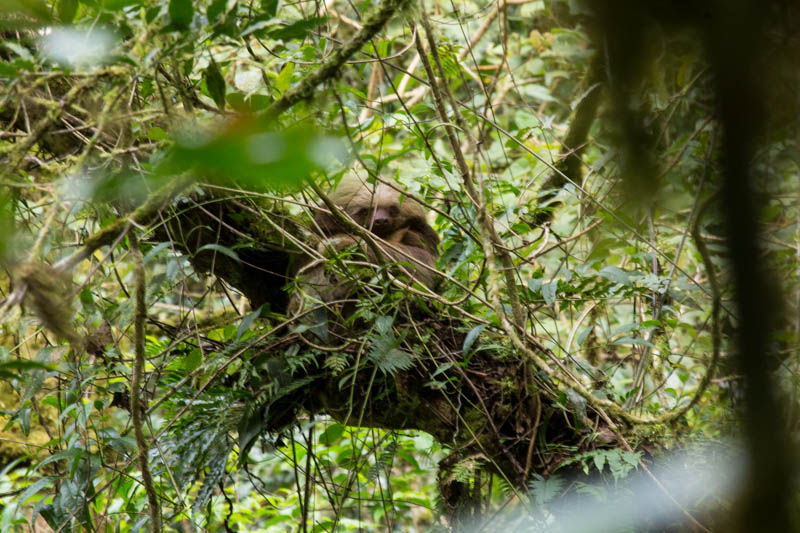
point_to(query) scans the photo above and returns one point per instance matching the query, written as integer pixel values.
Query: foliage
(110, 106)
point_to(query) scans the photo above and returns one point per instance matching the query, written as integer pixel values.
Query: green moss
(14, 443)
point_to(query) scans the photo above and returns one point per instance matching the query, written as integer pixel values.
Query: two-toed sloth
(399, 229)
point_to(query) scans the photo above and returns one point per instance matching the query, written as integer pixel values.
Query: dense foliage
(162, 161)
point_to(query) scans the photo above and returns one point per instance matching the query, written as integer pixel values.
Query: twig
(491, 247)
(476, 193)
(37, 246)
(19, 150)
(639, 371)
(373, 83)
(716, 340)
(653, 477)
(330, 69)
(137, 408)
(140, 216)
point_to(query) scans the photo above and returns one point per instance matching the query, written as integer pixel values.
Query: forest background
(612, 344)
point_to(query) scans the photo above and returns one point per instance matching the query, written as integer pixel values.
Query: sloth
(390, 215)
(404, 238)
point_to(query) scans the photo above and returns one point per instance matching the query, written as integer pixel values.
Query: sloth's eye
(394, 210)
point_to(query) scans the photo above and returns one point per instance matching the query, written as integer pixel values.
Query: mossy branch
(137, 408)
(142, 215)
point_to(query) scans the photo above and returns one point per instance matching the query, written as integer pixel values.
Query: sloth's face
(380, 220)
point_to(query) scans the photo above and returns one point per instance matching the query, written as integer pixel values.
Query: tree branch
(137, 408)
(331, 68)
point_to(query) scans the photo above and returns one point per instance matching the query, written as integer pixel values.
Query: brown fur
(390, 215)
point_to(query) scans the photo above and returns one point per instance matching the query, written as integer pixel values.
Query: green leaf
(392, 361)
(546, 490)
(277, 520)
(632, 458)
(34, 380)
(284, 78)
(257, 27)
(549, 292)
(249, 151)
(449, 62)
(537, 92)
(192, 360)
(33, 488)
(331, 434)
(270, 7)
(118, 5)
(246, 322)
(7, 70)
(621, 462)
(154, 252)
(526, 120)
(471, 337)
(298, 30)
(216, 462)
(251, 425)
(67, 10)
(535, 284)
(599, 459)
(181, 13)
(70, 453)
(215, 9)
(615, 274)
(383, 348)
(22, 14)
(156, 134)
(215, 84)
(221, 249)
(634, 341)
(248, 104)
(12, 369)
(442, 368)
